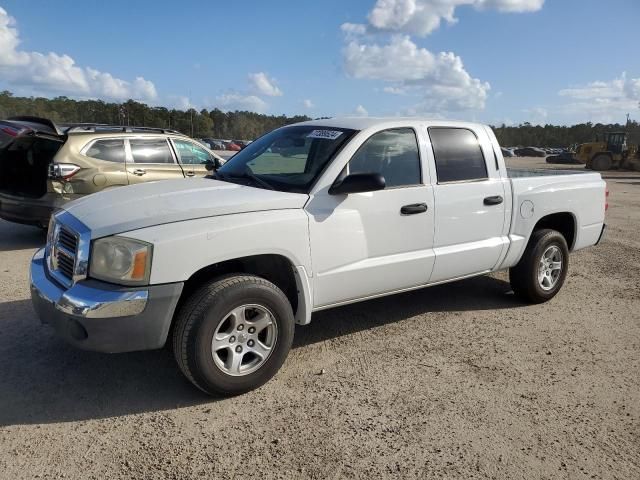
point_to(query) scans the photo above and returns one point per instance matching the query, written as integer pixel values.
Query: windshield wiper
(249, 176)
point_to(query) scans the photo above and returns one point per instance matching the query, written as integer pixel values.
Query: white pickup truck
(307, 217)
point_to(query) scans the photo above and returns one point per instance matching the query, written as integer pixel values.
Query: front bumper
(99, 316)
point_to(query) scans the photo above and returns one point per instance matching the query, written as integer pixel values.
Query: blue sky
(555, 61)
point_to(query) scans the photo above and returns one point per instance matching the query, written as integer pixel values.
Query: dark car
(507, 153)
(563, 157)
(530, 152)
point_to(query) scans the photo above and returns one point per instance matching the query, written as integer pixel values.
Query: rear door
(192, 157)
(150, 159)
(470, 202)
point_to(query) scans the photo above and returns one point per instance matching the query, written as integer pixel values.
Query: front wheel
(233, 334)
(543, 267)
(602, 162)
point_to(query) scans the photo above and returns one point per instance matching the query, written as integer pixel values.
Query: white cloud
(602, 101)
(421, 17)
(180, 102)
(308, 104)
(536, 115)
(361, 111)
(261, 84)
(395, 90)
(239, 101)
(441, 79)
(59, 74)
(353, 30)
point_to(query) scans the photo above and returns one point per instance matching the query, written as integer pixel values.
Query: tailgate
(26, 151)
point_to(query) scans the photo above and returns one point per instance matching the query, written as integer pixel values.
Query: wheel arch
(276, 268)
(563, 222)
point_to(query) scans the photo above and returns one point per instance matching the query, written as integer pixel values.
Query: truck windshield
(289, 159)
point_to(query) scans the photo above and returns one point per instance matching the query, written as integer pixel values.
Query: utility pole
(191, 113)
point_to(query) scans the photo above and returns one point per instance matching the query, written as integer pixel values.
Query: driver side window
(191, 154)
(391, 153)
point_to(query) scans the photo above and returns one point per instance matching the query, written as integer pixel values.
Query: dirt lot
(456, 381)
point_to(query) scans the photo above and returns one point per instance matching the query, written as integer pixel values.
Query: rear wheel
(543, 267)
(233, 334)
(601, 162)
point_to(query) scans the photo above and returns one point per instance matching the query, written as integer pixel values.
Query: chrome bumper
(98, 316)
(84, 301)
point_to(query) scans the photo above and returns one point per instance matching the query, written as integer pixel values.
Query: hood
(129, 208)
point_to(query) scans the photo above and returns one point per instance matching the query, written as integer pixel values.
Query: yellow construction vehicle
(611, 152)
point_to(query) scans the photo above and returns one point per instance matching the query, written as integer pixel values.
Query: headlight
(121, 260)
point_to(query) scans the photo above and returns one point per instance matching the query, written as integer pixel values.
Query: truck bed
(539, 192)
(539, 172)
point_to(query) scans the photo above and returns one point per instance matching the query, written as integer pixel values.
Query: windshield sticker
(326, 134)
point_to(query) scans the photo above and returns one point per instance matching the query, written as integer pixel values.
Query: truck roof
(362, 123)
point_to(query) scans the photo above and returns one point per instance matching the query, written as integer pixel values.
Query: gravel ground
(455, 381)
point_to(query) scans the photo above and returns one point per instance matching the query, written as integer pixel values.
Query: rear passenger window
(458, 155)
(111, 150)
(391, 153)
(152, 150)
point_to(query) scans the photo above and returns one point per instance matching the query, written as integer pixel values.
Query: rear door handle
(139, 172)
(495, 200)
(413, 209)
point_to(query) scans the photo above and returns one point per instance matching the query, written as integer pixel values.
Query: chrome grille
(66, 263)
(63, 253)
(68, 240)
(67, 249)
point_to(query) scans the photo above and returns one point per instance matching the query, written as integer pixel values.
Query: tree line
(249, 125)
(199, 124)
(562, 136)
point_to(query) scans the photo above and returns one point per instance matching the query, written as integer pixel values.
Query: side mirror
(358, 183)
(212, 165)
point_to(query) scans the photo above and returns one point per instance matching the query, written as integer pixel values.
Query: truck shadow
(20, 237)
(478, 293)
(46, 381)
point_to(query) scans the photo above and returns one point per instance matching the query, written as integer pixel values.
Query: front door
(371, 243)
(470, 204)
(193, 158)
(151, 159)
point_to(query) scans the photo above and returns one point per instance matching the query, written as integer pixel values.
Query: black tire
(524, 276)
(602, 162)
(205, 310)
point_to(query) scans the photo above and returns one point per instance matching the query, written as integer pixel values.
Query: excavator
(612, 152)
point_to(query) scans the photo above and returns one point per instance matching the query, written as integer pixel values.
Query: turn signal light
(606, 199)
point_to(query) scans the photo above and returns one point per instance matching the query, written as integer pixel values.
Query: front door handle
(413, 209)
(139, 172)
(495, 200)
(190, 173)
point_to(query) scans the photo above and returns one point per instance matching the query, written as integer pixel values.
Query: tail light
(606, 199)
(62, 171)
(14, 132)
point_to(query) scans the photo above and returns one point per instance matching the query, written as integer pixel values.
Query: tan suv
(44, 165)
